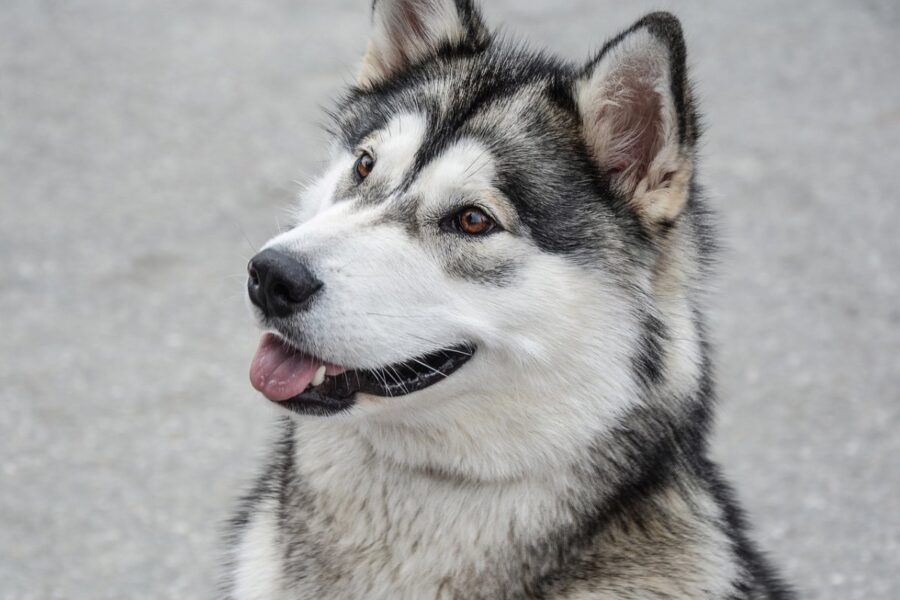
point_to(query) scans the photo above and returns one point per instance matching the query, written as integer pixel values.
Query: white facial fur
(388, 297)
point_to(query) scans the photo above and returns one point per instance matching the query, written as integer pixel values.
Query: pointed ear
(637, 117)
(405, 32)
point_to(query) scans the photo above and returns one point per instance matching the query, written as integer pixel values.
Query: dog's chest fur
(334, 520)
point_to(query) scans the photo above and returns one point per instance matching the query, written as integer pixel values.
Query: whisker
(427, 366)
(442, 348)
(246, 238)
(475, 160)
(447, 349)
(397, 379)
(385, 383)
(375, 314)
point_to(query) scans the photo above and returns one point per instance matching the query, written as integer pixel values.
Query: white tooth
(319, 377)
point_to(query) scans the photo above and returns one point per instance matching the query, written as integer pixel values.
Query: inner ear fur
(637, 117)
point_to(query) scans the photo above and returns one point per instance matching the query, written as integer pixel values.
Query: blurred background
(148, 147)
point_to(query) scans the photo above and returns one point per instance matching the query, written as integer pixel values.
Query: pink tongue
(280, 372)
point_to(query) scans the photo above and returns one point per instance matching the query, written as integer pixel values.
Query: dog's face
(485, 228)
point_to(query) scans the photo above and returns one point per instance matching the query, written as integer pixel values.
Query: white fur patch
(318, 196)
(395, 146)
(257, 574)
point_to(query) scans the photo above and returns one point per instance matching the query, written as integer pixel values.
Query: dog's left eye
(471, 221)
(364, 165)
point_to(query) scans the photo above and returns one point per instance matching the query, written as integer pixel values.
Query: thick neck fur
(371, 507)
(373, 526)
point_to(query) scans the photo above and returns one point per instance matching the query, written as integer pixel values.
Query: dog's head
(490, 230)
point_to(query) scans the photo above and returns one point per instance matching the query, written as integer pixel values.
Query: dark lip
(338, 393)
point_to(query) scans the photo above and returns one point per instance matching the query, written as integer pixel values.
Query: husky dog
(486, 331)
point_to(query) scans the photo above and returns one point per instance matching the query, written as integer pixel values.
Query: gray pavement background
(147, 146)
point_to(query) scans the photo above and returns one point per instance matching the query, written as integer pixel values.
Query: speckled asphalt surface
(147, 146)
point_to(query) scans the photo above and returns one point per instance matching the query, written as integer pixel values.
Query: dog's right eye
(364, 165)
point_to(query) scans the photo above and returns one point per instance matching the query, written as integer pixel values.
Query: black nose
(279, 284)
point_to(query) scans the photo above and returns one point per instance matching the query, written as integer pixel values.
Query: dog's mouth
(309, 385)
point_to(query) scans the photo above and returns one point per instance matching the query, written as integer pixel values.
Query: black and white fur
(568, 458)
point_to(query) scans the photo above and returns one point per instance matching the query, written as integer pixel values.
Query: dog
(486, 331)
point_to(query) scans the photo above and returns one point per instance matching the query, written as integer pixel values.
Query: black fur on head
(533, 111)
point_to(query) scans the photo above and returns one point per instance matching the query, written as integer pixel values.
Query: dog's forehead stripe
(397, 144)
(465, 166)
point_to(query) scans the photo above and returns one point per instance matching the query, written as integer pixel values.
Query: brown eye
(364, 165)
(473, 221)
